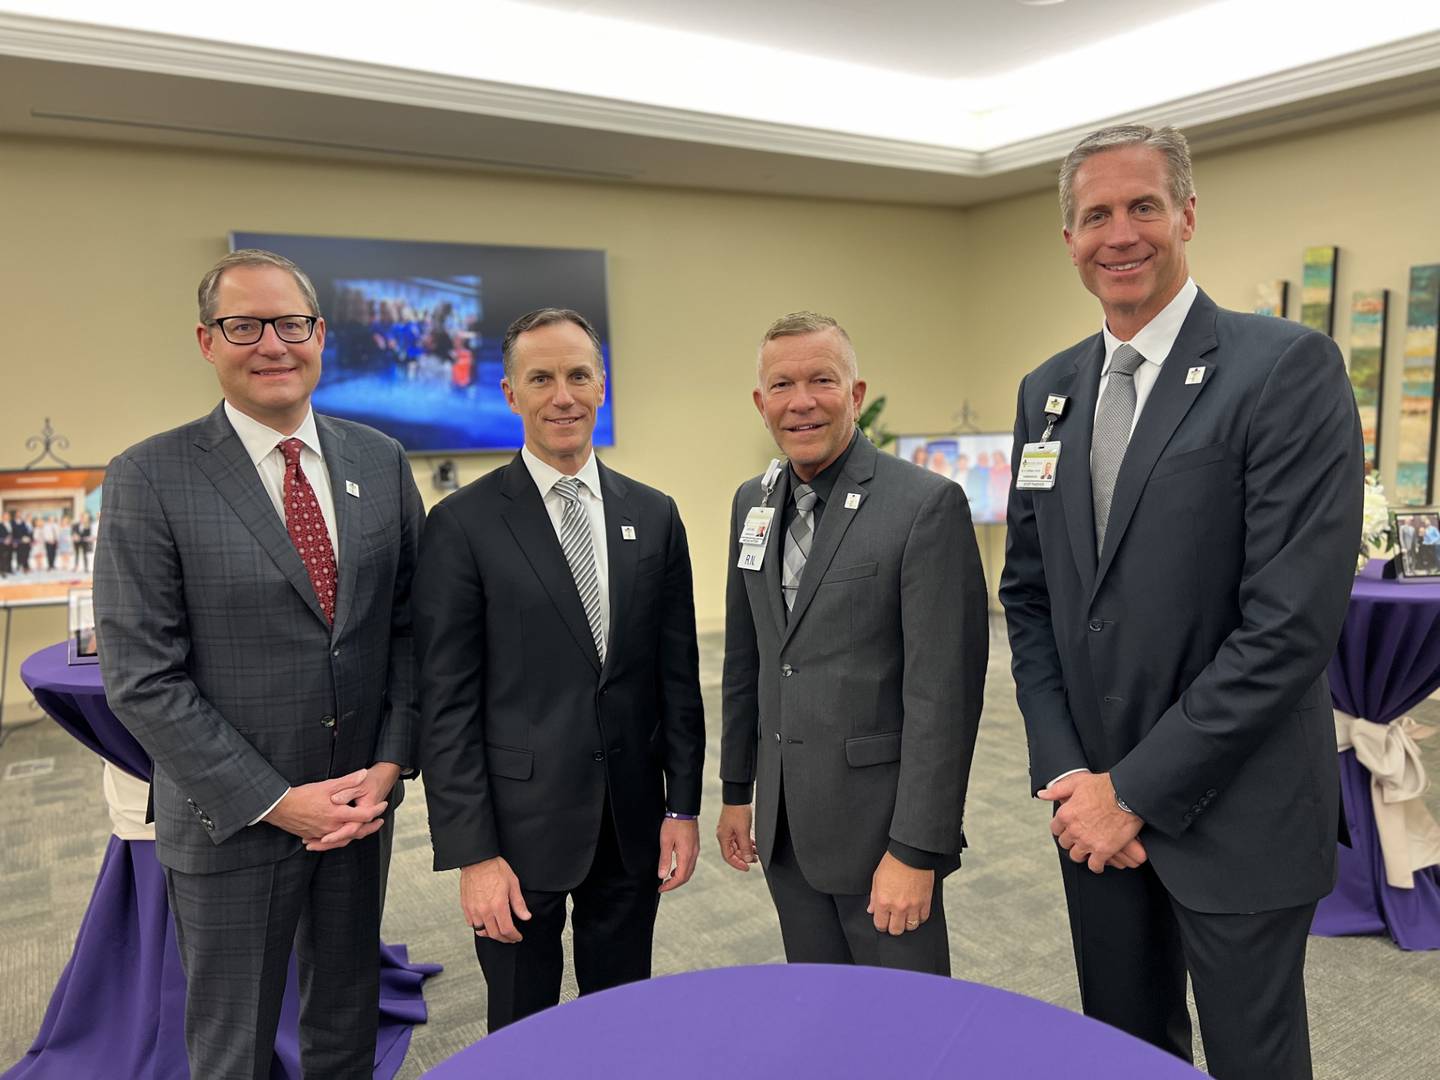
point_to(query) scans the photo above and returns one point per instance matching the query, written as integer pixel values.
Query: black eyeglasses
(248, 329)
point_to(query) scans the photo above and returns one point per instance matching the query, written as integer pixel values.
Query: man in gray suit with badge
(252, 603)
(855, 653)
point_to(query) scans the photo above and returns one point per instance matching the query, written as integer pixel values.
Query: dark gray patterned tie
(1112, 435)
(579, 550)
(797, 541)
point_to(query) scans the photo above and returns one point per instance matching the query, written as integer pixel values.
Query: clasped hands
(328, 814)
(1090, 825)
(899, 894)
(492, 900)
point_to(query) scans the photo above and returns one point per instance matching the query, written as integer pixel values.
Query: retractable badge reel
(755, 534)
(1040, 460)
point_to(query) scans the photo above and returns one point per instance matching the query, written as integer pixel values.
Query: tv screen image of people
(978, 463)
(414, 331)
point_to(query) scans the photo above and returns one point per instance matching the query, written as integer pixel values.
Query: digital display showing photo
(978, 463)
(414, 331)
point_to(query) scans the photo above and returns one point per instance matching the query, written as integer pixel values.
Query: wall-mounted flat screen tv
(413, 331)
(978, 463)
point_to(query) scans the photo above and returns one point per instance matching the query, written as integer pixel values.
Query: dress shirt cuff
(737, 792)
(271, 807)
(917, 858)
(1069, 772)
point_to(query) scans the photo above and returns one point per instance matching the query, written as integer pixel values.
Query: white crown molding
(67, 42)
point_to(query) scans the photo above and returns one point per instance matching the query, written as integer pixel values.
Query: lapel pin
(1194, 375)
(627, 532)
(852, 500)
(352, 488)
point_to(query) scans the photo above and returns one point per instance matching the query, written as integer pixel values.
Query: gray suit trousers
(326, 906)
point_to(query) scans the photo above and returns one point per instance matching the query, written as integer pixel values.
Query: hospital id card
(1038, 461)
(754, 535)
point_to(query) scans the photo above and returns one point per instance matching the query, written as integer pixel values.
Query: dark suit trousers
(614, 928)
(1134, 944)
(236, 931)
(826, 928)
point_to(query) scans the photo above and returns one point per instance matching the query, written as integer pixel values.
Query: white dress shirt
(545, 477)
(263, 445)
(1153, 341)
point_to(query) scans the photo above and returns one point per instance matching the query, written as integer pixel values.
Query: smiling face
(268, 381)
(1128, 237)
(808, 398)
(557, 390)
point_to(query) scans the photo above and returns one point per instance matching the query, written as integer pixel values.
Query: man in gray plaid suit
(252, 601)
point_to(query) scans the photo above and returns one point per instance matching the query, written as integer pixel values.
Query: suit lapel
(347, 514)
(772, 567)
(529, 522)
(1170, 399)
(224, 461)
(858, 471)
(1073, 472)
(621, 556)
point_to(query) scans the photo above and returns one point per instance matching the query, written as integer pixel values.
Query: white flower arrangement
(1374, 522)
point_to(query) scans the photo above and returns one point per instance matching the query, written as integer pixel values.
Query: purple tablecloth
(119, 1006)
(809, 1022)
(1388, 661)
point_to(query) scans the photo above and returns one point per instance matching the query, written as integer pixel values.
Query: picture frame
(82, 644)
(1416, 560)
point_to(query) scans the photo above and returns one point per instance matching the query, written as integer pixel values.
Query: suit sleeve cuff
(917, 858)
(737, 792)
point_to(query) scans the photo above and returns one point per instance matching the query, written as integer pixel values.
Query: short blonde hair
(808, 322)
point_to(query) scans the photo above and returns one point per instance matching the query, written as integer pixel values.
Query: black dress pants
(1134, 945)
(614, 928)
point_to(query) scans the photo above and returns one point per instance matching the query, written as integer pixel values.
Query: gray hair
(549, 316)
(210, 284)
(807, 322)
(1167, 140)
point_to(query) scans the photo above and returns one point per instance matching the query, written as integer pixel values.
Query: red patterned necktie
(306, 526)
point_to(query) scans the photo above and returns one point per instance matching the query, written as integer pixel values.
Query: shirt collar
(260, 440)
(546, 475)
(1156, 338)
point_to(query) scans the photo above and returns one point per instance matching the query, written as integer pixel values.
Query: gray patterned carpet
(1373, 1008)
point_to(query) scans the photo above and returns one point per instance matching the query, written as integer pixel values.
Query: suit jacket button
(786, 670)
(1188, 817)
(1097, 624)
(599, 755)
(327, 721)
(777, 736)
(1210, 794)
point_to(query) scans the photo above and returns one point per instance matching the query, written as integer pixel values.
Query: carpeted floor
(1373, 1007)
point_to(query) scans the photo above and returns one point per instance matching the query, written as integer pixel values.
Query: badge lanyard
(755, 535)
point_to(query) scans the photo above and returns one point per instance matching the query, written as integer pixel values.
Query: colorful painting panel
(1368, 309)
(1415, 468)
(1271, 298)
(1317, 289)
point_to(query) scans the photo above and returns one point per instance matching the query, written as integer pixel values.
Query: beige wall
(106, 243)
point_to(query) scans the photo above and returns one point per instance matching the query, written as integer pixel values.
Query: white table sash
(1409, 835)
(127, 799)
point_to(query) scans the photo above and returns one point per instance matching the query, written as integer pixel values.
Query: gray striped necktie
(797, 540)
(579, 550)
(1112, 434)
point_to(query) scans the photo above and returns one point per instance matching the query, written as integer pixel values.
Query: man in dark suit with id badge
(1174, 588)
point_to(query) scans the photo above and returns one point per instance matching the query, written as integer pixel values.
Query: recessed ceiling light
(1039, 3)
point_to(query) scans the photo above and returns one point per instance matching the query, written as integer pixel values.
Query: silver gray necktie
(797, 541)
(579, 550)
(1112, 435)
